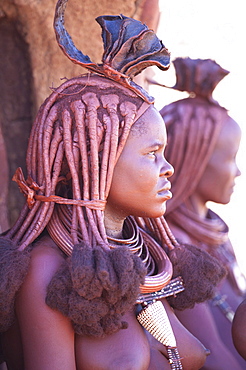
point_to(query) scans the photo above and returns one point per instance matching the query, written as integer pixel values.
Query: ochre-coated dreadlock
(75, 141)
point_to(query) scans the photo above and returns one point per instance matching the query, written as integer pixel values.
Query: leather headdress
(198, 76)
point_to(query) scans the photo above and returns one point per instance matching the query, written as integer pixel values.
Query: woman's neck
(197, 205)
(113, 226)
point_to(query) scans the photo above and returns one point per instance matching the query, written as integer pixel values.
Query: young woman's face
(218, 179)
(140, 185)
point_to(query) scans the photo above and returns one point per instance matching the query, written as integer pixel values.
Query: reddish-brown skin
(48, 339)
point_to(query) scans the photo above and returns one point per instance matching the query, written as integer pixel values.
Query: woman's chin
(158, 212)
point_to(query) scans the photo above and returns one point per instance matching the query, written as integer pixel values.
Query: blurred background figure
(205, 141)
(200, 39)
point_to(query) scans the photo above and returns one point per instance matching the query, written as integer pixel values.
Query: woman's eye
(152, 152)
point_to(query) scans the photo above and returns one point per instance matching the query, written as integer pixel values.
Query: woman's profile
(85, 266)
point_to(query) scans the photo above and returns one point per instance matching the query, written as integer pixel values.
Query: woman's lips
(165, 191)
(165, 194)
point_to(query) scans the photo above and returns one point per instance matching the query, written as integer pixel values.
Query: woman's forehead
(150, 124)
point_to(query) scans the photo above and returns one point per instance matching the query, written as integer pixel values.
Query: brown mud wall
(31, 63)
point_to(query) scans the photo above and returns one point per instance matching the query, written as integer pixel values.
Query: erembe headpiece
(129, 47)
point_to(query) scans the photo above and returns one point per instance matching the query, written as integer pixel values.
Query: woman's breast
(127, 349)
(135, 349)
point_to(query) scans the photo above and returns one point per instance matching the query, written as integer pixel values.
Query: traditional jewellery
(220, 301)
(174, 287)
(159, 267)
(153, 317)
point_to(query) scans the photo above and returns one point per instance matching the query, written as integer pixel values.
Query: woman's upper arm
(47, 336)
(239, 329)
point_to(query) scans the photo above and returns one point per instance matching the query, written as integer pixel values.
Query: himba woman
(204, 143)
(84, 272)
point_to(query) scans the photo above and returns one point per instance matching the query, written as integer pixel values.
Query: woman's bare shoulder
(46, 258)
(44, 331)
(45, 246)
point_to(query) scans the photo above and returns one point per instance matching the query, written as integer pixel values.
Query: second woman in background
(205, 141)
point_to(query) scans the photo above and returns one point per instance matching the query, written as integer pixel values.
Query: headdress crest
(198, 76)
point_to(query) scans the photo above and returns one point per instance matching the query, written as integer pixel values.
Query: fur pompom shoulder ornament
(200, 272)
(13, 269)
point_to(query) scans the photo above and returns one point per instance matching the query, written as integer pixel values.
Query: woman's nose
(238, 172)
(167, 169)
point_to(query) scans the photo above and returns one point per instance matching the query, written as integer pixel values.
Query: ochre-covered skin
(74, 307)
